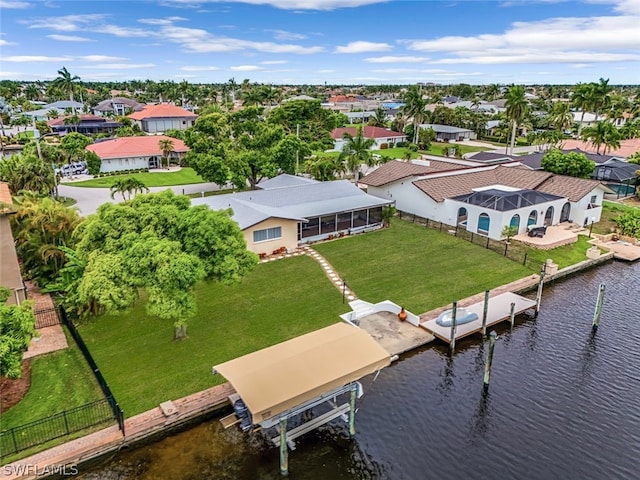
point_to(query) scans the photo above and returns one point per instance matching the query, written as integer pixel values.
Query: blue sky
(317, 41)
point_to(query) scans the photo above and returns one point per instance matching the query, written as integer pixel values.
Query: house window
(267, 234)
(483, 223)
(311, 228)
(593, 200)
(328, 224)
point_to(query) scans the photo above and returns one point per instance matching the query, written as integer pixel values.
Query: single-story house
(10, 276)
(132, 153)
(288, 211)
(534, 160)
(447, 133)
(162, 117)
(117, 106)
(486, 199)
(382, 136)
(87, 125)
(61, 108)
(360, 117)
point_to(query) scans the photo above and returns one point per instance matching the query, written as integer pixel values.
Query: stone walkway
(331, 274)
(50, 337)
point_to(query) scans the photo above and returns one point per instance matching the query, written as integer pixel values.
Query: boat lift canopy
(279, 378)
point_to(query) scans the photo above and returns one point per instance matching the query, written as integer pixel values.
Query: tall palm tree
(561, 116)
(414, 107)
(356, 151)
(379, 118)
(602, 134)
(583, 98)
(167, 146)
(602, 97)
(127, 187)
(66, 82)
(516, 109)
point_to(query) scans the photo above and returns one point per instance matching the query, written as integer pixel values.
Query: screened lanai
(502, 200)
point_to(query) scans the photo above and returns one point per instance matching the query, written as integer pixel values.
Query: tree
(94, 163)
(167, 146)
(629, 222)
(17, 328)
(41, 226)
(307, 120)
(509, 231)
(25, 171)
(388, 213)
(561, 116)
(516, 109)
(163, 245)
(414, 107)
(601, 96)
(324, 167)
(602, 133)
(127, 187)
(634, 158)
(572, 164)
(583, 98)
(356, 151)
(66, 82)
(379, 118)
(73, 145)
(425, 137)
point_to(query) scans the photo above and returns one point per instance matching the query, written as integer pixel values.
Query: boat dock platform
(499, 309)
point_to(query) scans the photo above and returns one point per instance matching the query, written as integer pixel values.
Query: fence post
(524, 262)
(506, 245)
(487, 247)
(66, 422)
(471, 237)
(440, 226)
(13, 437)
(456, 230)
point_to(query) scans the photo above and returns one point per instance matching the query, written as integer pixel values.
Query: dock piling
(512, 313)
(452, 345)
(543, 271)
(284, 453)
(596, 314)
(487, 365)
(352, 411)
(484, 313)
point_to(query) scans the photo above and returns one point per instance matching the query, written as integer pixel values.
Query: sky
(316, 41)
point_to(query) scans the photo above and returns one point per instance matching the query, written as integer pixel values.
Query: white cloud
(161, 21)
(292, 4)
(35, 58)
(363, 47)
(201, 41)
(122, 31)
(65, 23)
(9, 4)
(100, 58)
(246, 68)
(189, 68)
(6, 42)
(555, 40)
(284, 35)
(122, 66)
(396, 59)
(69, 38)
(274, 62)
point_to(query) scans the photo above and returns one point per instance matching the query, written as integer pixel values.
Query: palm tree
(602, 134)
(516, 109)
(324, 168)
(32, 92)
(379, 118)
(127, 187)
(167, 146)
(25, 171)
(561, 116)
(66, 82)
(602, 97)
(414, 107)
(356, 151)
(583, 98)
(52, 114)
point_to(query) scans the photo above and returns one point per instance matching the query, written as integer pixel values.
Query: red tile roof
(627, 147)
(397, 170)
(367, 131)
(162, 110)
(125, 147)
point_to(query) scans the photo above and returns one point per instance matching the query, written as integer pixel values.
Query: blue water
(562, 404)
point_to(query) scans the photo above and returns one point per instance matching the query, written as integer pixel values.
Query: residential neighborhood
(245, 239)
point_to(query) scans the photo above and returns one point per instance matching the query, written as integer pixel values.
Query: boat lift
(281, 388)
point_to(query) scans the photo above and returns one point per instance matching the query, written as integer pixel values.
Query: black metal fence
(46, 317)
(104, 386)
(55, 426)
(512, 250)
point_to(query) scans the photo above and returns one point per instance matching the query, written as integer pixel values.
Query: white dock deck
(499, 309)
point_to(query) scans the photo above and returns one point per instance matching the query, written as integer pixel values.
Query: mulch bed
(12, 391)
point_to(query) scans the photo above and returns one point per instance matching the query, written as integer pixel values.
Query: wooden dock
(499, 310)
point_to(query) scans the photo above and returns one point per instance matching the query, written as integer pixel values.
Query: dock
(499, 310)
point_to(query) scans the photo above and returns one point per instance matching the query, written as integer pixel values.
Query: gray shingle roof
(284, 180)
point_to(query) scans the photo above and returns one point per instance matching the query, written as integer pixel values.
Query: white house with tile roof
(133, 153)
(288, 211)
(381, 136)
(486, 199)
(162, 117)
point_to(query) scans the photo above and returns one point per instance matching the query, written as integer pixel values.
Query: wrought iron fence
(511, 250)
(47, 317)
(61, 424)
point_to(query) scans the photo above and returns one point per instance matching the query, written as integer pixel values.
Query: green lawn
(436, 148)
(277, 301)
(417, 267)
(399, 153)
(59, 381)
(610, 211)
(184, 176)
(564, 256)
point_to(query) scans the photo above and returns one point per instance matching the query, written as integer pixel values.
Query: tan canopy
(278, 378)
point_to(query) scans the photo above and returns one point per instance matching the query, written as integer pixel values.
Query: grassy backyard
(277, 301)
(417, 267)
(400, 153)
(610, 211)
(59, 381)
(184, 176)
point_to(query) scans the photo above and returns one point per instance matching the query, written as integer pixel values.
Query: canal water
(563, 404)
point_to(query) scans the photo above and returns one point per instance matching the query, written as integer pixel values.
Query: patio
(555, 236)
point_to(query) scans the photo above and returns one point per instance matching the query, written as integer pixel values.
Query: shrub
(384, 146)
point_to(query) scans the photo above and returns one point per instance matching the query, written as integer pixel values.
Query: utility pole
(297, 150)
